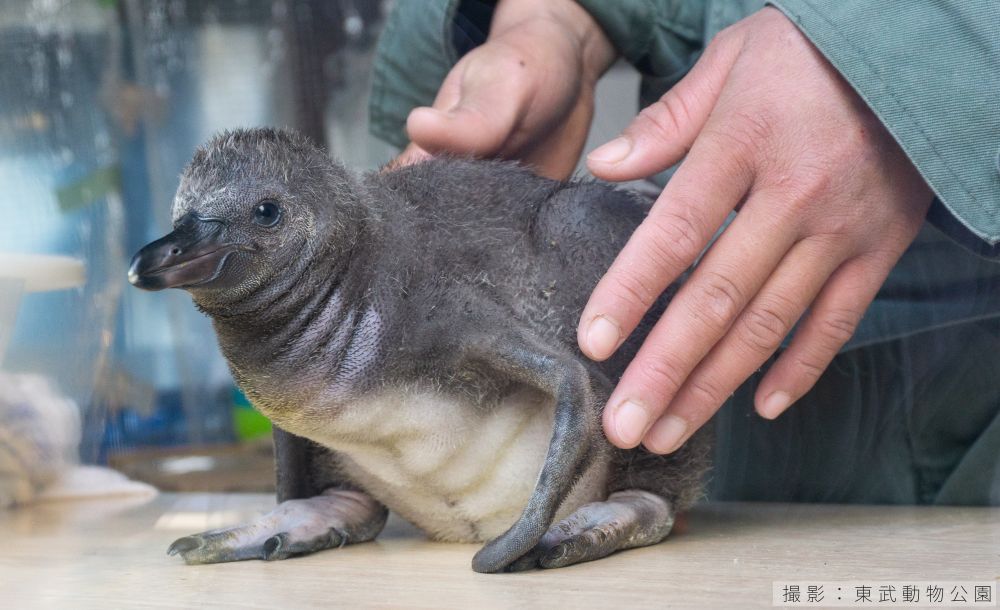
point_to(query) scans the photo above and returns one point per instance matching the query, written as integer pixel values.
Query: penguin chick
(411, 334)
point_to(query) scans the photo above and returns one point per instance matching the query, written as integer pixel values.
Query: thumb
(475, 113)
(664, 131)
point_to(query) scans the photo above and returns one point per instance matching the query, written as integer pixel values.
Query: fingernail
(614, 151)
(603, 336)
(667, 434)
(774, 404)
(630, 422)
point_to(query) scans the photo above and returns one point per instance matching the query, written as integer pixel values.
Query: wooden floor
(111, 554)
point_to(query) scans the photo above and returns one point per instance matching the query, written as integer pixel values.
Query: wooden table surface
(111, 554)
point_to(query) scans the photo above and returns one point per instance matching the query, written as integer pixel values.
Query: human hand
(827, 203)
(526, 93)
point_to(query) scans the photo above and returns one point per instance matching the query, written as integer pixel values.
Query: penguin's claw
(295, 527)
(184, 545)
(628, 519)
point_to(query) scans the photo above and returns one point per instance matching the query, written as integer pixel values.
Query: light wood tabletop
(111, 554)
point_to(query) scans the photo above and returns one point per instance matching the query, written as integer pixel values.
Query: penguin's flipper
(295, 527)
(576, 442)
(628, 519)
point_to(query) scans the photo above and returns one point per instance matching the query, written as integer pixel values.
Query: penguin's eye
(267, 213)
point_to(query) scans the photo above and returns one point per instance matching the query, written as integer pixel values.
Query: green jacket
(930, 69)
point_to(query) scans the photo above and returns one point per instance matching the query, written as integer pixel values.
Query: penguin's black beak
(193, 254)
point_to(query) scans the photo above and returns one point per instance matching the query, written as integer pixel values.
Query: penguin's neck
(324, 321)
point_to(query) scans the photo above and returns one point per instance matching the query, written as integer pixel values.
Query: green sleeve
(661, 38)
(414, 54)
(930, 70)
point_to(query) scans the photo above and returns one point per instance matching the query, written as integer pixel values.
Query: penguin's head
(249, 210)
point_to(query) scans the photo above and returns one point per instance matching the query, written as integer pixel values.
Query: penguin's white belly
(456, 469)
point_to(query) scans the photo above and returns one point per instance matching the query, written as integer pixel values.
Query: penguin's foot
(628, 519)
(294, 527)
